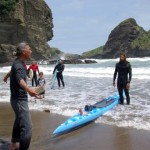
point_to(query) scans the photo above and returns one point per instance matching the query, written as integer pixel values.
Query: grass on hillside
(142, 41)
(93, 52)
(55, 51)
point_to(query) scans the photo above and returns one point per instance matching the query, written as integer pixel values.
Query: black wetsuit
(60, 68)
(18, 72)
(124, 71)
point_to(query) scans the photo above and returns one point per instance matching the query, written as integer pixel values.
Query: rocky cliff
(30, 21)
(127, 37)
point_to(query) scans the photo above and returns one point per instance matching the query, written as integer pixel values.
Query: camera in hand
(40, 90)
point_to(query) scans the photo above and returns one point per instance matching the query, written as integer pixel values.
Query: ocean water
(90, 83)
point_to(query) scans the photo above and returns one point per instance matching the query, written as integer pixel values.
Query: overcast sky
(82, 25)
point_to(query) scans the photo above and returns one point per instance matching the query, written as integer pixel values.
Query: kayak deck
(104, 103)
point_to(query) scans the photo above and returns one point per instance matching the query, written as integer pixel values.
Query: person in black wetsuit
(124, 71)
(60, 68)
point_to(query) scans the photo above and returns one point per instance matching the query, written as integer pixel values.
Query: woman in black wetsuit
(124, 71)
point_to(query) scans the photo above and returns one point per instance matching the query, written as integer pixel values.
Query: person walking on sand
(22, 128)
(60, 68)
(41, 82)
(124, 71)
(35, 69)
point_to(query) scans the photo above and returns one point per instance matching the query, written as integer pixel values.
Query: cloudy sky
(82, 25)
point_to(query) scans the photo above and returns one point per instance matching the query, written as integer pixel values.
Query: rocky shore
(74, 61)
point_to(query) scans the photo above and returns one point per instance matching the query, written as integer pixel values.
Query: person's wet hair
(123, 54)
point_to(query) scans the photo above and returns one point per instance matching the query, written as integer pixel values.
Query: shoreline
(94, 136)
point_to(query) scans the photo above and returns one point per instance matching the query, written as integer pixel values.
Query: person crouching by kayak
(124, 71)
(60, 68)
(35, 68)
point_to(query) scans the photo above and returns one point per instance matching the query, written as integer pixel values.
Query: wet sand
(92, 137)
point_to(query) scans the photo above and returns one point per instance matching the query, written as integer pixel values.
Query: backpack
(89, 107)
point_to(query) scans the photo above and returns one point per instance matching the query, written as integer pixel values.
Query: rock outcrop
(67, 61)
(31, 21)
(87, 61)
(73, 61)
(127, 37)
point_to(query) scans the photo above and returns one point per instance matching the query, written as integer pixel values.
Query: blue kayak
(79, 120)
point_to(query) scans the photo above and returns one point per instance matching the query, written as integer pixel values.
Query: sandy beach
(92, 137)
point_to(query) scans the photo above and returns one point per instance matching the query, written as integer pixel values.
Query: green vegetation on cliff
(6, 6)
(142, 41)
(91, 53)
(130, 21)
(55, 52)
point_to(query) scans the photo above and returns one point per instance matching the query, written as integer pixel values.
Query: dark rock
(120, 38)
(52, 61)
(47, 110)
(73, 61)
(6, 53)
(127, 37)
(68, 61)
(72, 56)
(32, 22)
(89, 61)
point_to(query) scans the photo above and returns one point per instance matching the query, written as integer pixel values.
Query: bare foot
(14, 146)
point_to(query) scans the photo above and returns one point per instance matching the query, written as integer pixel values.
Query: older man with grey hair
(22, 128)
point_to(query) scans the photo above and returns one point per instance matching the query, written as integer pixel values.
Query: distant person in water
(60, 68)
(124, 71)
(35, 69)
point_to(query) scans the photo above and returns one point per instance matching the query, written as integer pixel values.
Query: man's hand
(114, 83)
(128, 86)
(32, 92)
(5, 79)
